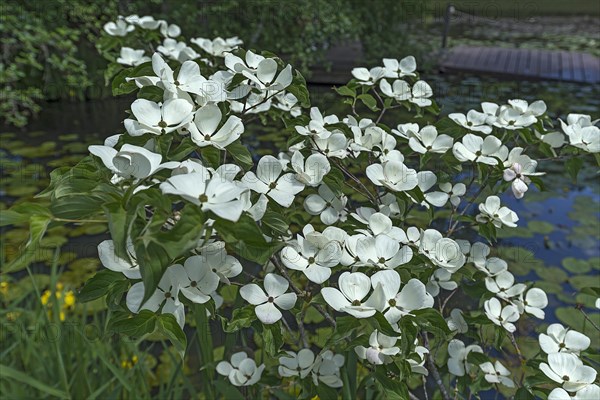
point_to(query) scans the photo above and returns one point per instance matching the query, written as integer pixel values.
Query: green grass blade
(7, 372)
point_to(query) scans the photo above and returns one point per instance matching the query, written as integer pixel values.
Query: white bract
(427, 140)
(519, 168)
(349, 298)
(397, 303)
(108, 257)
(205, 130)
(311, 171)
(559, 339)
(397, 69)
(241, 371)
(492, 211)
(501, 316)
(474, 121)
(327, 205)
(157, 118)
(497, 373)
(381, 349)
(476, 149)
(458, 352)
(132, 57)
(275, 288)
(368, 77)
(267, 180)
(165, 298)
(296, 364)
(214, 194)
(394, 175)
(568, 370)
(326, 369)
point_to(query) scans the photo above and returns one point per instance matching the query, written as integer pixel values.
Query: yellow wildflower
(4, 288)
(69, 299)
(46, 297)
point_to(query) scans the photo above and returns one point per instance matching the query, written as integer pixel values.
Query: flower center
(203, 198)
(272, 185)
(271, 299)
(162, 124)
(565, 378)
(193, 283)
(176, 83)
(167, 295)
(356, 303)
(381, 260)
(392, 302)
(311, 260)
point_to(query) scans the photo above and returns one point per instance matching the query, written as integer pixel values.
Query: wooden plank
(524, 63)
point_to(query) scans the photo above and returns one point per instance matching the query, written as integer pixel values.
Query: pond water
(557, 242)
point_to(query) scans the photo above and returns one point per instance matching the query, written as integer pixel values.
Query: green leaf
(240, 154)
(432, 321)
(9, 373)
(120, 85)
(524, 394)
(241, 318)
(369, 101)
(275, 221)
(272, 338)
(346, 91)
(76, 207)
(573, 166)
(98, 285)
(228, 391)
(211, 156)
(118, 225)
(136, 325)
(21, 213)
(247, 239)
(298, 88)
(152, 93)
(168, 326)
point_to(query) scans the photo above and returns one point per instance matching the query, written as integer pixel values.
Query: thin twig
(299, 292)
(434, 371)
(516, 346)
(587, 318)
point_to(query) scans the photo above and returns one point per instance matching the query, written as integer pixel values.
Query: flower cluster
(352, 218)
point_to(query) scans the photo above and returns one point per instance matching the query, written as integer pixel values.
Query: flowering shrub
(364, 229)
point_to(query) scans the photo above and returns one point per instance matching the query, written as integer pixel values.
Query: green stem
(206, 348)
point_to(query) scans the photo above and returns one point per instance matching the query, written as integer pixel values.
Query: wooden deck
(523, 63)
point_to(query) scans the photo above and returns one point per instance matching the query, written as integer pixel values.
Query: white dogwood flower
(368, 77)
(353, 289)
(196, 279)
(590, 392)
(333, 146)
(497, 373)
(129, 162)
(559, 339)
(214, 194)
(326, 369)
(217, 47)
(157, 118)
(534, 302)
(501, 316)
(267, 180)
(518, 169)
(476, 149)
(454, 192)
(394, 175)
(492, 211)
(318, 124)
(441, 279)
(427, 140)
(397, 69)
(399, 90)
(329, 207)
(268, 304)
(132, 57)
(568, 370)
(398, 303)
(582, 132)
(383, 252)
(421, 92)
(165, 297)
(503, 285)
(312, 170)
(456, 321)
(119, 28)
(205, 130)
(296, 364)
(241, 371)
(381, 349)
(109, 259)
(314, 255)
(443, 252)
(474, 121)
(458, 352)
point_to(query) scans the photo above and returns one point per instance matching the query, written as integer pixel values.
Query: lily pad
(576, 266)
